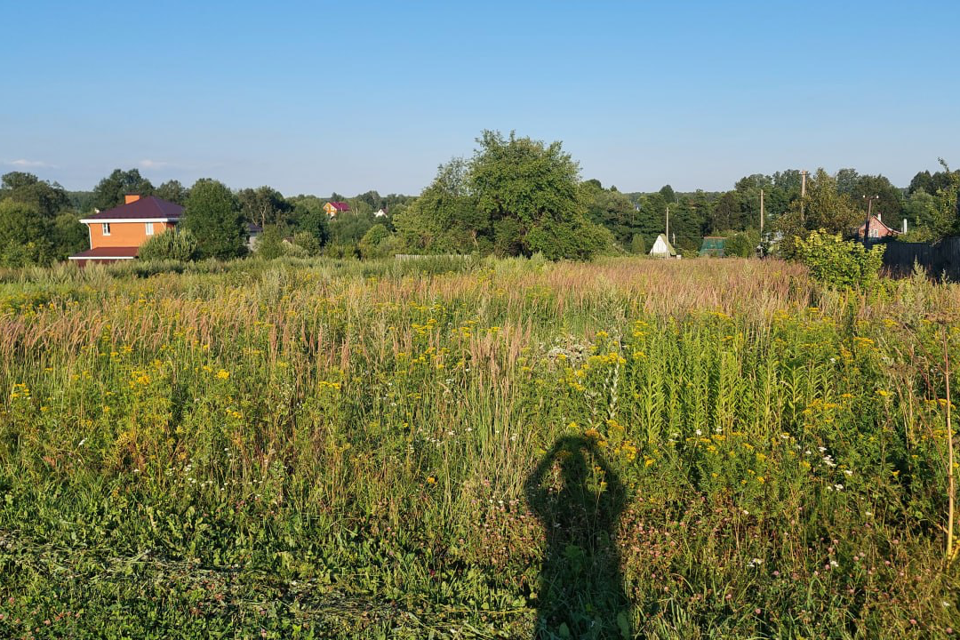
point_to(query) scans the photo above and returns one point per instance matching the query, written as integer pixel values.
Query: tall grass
(340, 449)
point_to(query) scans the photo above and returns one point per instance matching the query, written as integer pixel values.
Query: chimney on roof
(879, 216)
(130, 197)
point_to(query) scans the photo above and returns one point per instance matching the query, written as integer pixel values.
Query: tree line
(40, 220)
(514, 196)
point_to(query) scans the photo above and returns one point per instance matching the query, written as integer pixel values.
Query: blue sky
(316, 97)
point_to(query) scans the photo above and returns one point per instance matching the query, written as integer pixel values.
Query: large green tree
(63, 233)
(948, 200)
(172, 191)
(24, 235)
(528, 191)
(727, 213)
(110, 191)
(611, 209)
(932, 183)
(651, 216)
(213, 216)
(68, 236)
(523, 179)
(445, 218)
(933, 207)
(668, 194)
(308, 216)
(348, 227)
(264, 205)
(889, 204)
(48, 198)
(515, 196)
(823, 208)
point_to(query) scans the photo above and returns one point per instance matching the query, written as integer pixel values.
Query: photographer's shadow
(578, 498)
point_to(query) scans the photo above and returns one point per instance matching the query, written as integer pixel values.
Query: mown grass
(341, 449)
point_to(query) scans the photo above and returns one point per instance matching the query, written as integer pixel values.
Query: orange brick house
(334, 207)
(116, 234)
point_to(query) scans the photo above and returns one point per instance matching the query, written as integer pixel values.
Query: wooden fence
(940, 259)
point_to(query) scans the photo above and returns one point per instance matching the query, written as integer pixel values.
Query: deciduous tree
(213, 216)
(24, 235)
(823, 208)
(110, 191)
(173, 191)
(264, 205)
(48, 198)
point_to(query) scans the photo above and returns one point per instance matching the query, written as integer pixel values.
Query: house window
(106, 228)
(149, 228)
(874, 233)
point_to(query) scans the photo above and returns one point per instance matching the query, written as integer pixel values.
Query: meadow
(474, 449)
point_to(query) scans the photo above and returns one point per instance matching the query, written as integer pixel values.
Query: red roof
(340, 206)
(148, 208)
(107, 253)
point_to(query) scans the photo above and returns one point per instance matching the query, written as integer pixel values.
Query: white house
(662, 248)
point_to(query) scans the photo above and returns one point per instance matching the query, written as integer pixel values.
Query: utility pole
(803, 191)
(761, 214)
(667, 235)
(866, 225)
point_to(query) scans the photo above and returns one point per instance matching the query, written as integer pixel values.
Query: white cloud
(153, 164)
(29, 164)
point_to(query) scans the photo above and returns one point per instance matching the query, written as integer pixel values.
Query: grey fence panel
(940, 259)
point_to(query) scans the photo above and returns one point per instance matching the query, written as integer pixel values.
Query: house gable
(662, 247)
(877, 229)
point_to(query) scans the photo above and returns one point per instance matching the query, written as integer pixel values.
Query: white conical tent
(662, 248)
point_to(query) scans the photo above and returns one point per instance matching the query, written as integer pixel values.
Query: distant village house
(118, 233)
(333, 208)
(875, 229)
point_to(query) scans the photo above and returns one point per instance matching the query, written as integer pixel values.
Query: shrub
(270, 245)
(373, 241)
(838, 263)
(340, 250)
(307, 242)
(742, 244)
(178, 244)
(577, 239)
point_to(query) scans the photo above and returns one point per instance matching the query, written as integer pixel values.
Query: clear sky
(316, 97)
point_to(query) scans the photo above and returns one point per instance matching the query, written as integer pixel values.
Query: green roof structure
(713, 246)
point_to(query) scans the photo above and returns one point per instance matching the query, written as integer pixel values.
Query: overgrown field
(694, 449)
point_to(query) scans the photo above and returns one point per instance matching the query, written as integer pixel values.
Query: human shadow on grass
(578, 499)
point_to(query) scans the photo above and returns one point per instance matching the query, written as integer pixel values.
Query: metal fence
(940, 259)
